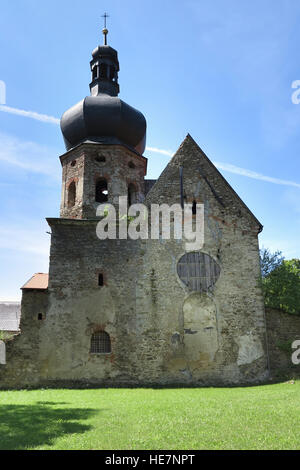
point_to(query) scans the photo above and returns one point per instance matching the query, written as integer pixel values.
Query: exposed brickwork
(89, 162)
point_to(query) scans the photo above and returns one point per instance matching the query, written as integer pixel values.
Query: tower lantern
(105, 139)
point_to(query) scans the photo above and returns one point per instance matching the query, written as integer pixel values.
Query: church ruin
(139, 312)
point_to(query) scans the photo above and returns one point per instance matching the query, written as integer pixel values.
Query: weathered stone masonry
(282, 330)
(162, 329)
(161, 332)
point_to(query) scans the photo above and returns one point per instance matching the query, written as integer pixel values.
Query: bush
(282, 287)
(269, 261)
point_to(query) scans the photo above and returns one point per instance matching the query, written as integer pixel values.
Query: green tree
(282, 287)
(269, 261)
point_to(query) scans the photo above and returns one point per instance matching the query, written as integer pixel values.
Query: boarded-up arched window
(72, 194)
(101, 191)
(198, 271)
(100, 343)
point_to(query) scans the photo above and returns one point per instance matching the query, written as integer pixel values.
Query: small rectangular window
(100, 280)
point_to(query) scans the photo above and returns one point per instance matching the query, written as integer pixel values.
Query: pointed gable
(201, 180)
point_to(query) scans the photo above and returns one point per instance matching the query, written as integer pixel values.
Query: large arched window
(100, 343)
(72, 194)
(101, 191)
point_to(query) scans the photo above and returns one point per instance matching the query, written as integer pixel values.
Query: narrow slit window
(111, 73)
(95, 73)
(194, 208)
(100, 280)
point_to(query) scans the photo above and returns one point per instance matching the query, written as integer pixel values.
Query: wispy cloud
(252, 174)
(169, 153)
(18, 238)
(30, 114)
(29, 156)
(236, 170)
(9, 153)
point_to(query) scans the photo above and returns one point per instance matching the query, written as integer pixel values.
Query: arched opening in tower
(101, 191)
(95, 73)
(72, 194)
(104, 71)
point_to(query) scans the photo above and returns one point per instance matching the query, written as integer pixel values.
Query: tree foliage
(269, 261)
(281, 286)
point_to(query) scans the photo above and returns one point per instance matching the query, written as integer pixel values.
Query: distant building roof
(10, 314)
(38, 281)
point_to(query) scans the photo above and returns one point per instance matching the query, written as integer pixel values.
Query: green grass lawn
(265, 417)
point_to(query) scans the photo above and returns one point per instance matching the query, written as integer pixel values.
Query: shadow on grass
(29, 426)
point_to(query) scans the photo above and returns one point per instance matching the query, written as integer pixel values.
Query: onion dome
(104, 118)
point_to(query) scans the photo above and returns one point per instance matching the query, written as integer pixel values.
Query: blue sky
(221, 70)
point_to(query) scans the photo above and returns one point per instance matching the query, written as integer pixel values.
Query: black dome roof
(105, 50)
(104, 119)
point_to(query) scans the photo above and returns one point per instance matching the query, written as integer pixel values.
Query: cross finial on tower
(105, 30)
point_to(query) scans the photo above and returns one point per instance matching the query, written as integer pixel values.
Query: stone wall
(22, 351)
(229, 345)
(161, 332)
(282, 330)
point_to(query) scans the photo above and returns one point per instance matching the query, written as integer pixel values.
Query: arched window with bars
(100, 343)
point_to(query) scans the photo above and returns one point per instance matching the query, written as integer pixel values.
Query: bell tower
(105, 139)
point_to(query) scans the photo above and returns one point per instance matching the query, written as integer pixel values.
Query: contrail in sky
(221, 166)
